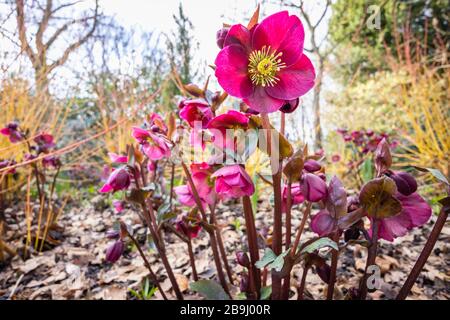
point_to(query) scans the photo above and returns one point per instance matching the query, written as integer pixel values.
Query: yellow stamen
(264, 65)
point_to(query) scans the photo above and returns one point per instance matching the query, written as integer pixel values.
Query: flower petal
(416, 207)
(238, 34)
(262, 102)
(294, 81)
(231, 71)
(282, 33)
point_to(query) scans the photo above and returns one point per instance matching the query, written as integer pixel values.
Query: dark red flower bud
(114, 252)
(220, 36)
(383, 158)
(324, 272)
(155, 128)
(244, 283)
(369, 133)
(290, 106)
(242, 259)
(406, 184)
(313, 187)
(312, 165)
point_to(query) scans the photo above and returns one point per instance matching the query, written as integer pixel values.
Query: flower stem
(147, 264)
(426, 251)
(212, 234)
(222, 251)
(192, 260)
(252, 239)
(287, 280)
(301, 288)
(300, 229)
(277, 244)
(371, 256)
(334, 262)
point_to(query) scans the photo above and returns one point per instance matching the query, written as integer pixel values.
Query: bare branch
(43, 24)
(25, 46)
(78, 43)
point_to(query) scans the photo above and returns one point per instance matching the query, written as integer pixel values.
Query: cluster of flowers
(263, 65)
(43, 144)
(365, 141)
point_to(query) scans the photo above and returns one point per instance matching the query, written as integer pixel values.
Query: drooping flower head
(232, 120)
(265, 66)
(45, 142)
(201, 176)
(51, 161)
(117, 158)
(233, 182)
(196, 110)
(154, 146)
(297, 196)
(12, 132)
(188, 225)
(119, 179)
(415, 213)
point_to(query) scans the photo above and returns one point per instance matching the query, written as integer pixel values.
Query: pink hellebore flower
(119, 179)
(45, 141)
(323, 223)
(415, 213)
(196, 110)
(117, 158)
(314, 188)
(297, 196)
(265, 66)
(228, 121)
(201, 175)
(233, 182)
(154, 146)
(186, 226)
(12, 132)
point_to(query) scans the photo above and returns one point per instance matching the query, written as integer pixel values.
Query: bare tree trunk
(316, 108)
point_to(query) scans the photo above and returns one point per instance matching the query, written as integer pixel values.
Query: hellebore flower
(313, 187)
(323, 223)
(156, 123)
(187, 225)
(118, 205)
(201, 176)
(154, 146)
(196, 110)
(117, 158)
(12, 132)
(119, 179)
(7, 163)
(227, 121)
(114, 252)
(233, 182)
(44, 142)
(297, 196)
(51, 161)
(406, 184)
(312, 165)
(265, 66)
(415, 213)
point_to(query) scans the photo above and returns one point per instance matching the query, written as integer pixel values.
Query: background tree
(44, 26)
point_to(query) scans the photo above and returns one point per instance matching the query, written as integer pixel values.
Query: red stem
(252, 239)
(371, 256)
(423, 257)
(334, 262)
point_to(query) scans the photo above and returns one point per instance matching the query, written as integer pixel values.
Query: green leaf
(269, 257)
(164, 213)
(209, 289)
(278, 263)
(319, 244)
(266, 292)
(436, 173)
(366, 170)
